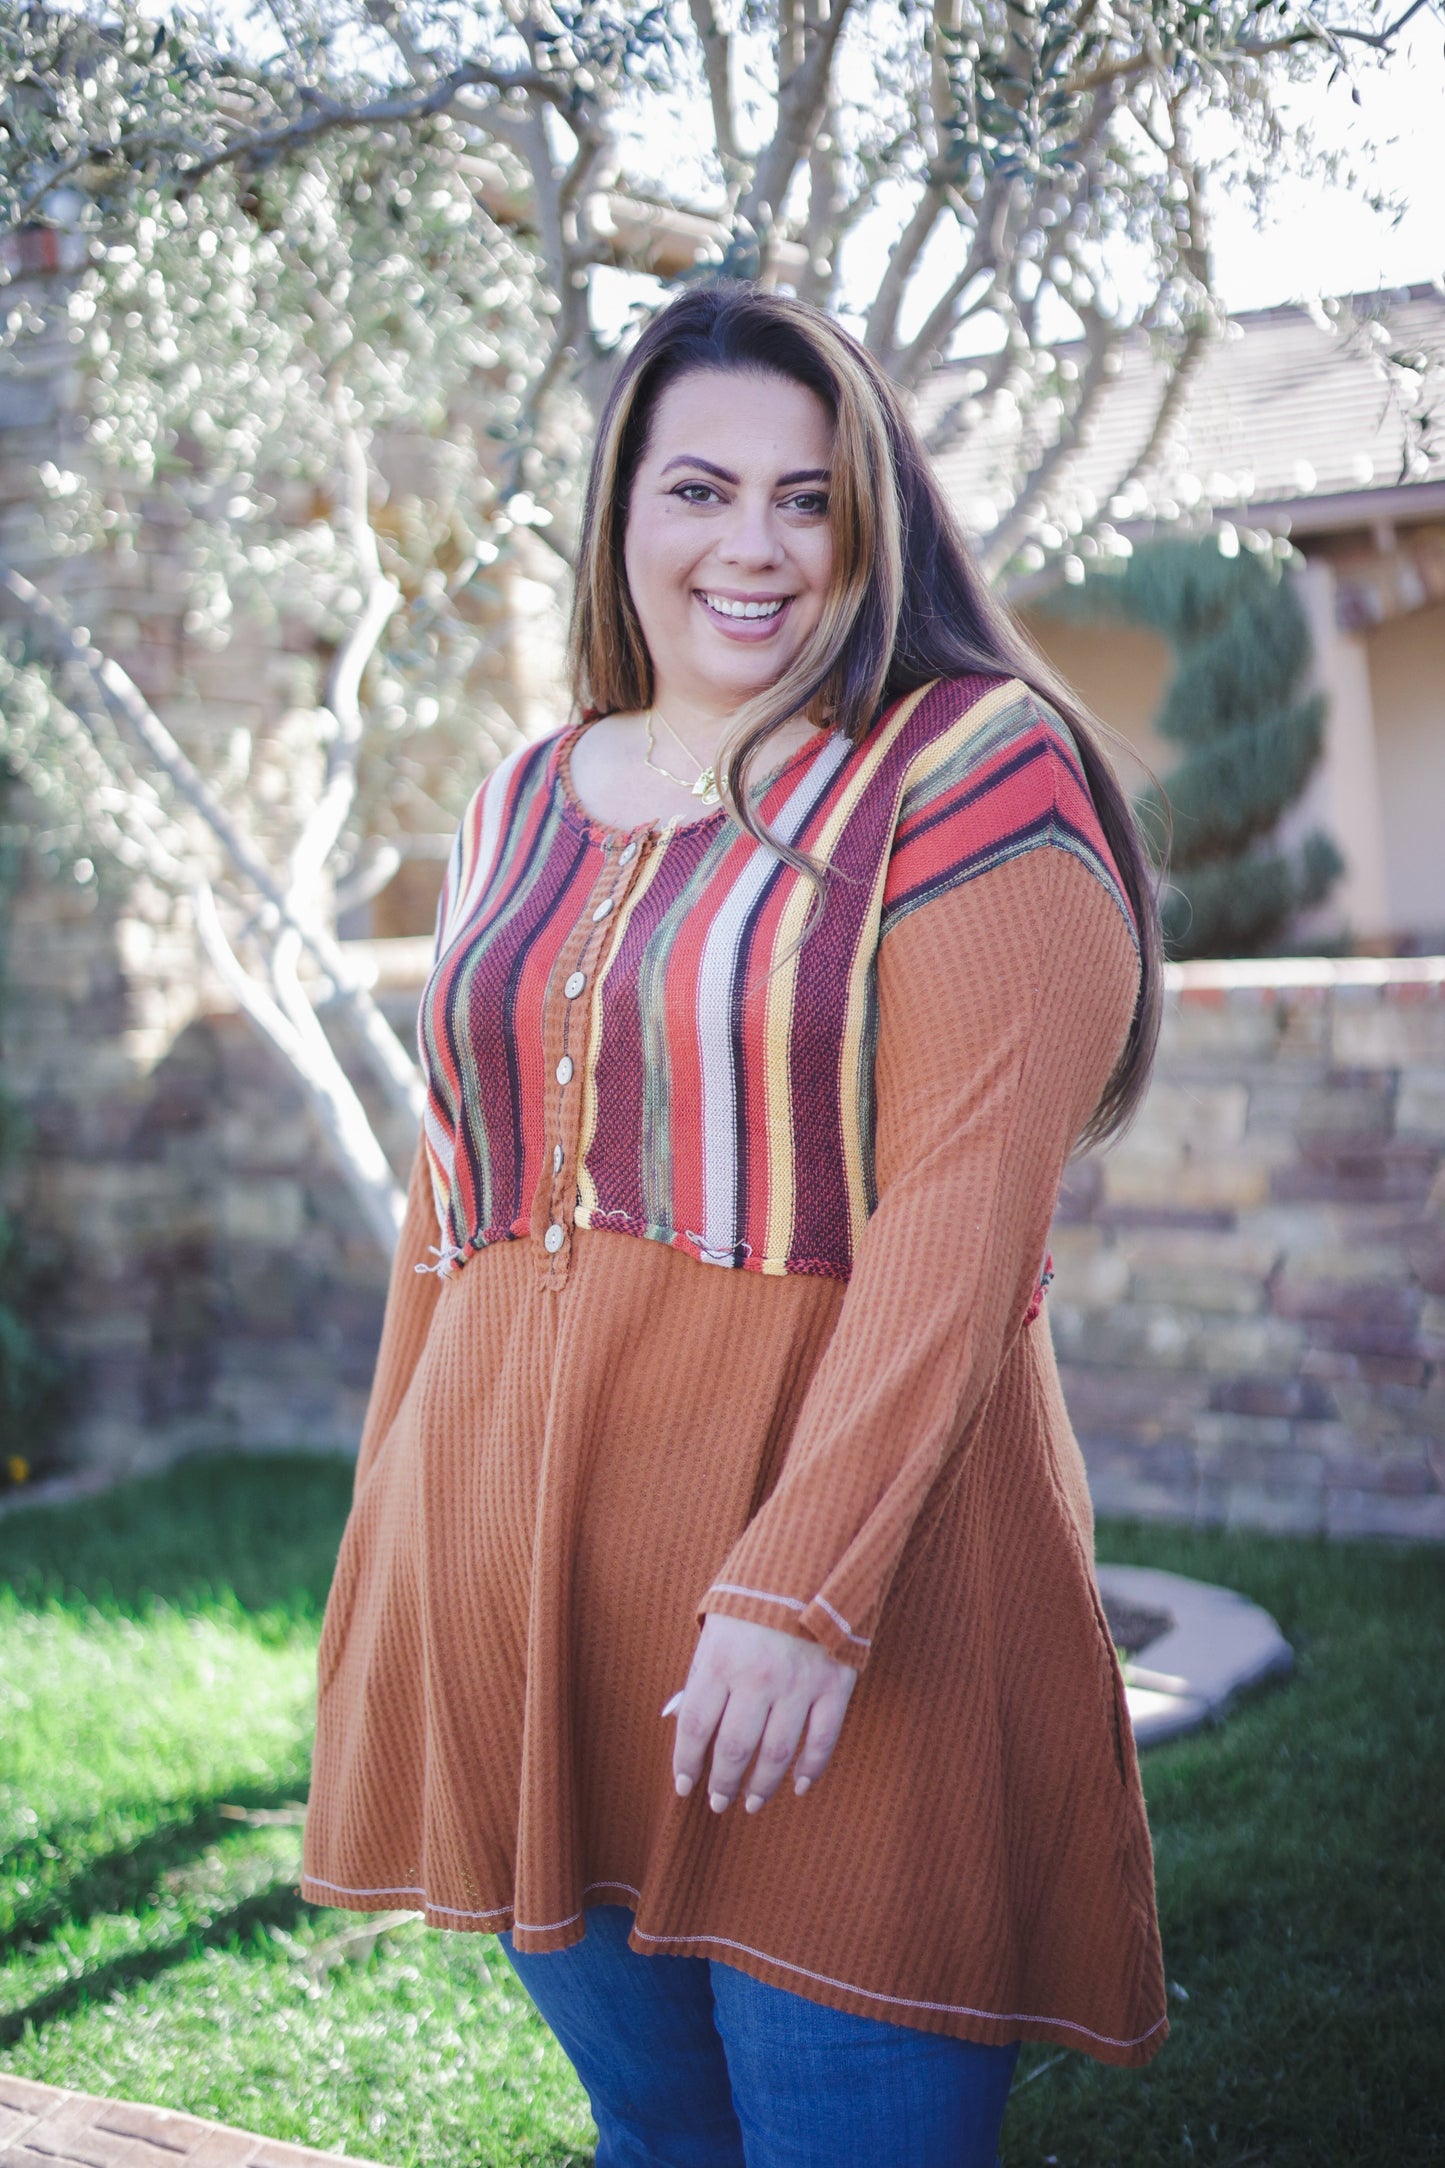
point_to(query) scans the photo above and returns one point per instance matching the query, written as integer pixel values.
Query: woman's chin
(751, 674)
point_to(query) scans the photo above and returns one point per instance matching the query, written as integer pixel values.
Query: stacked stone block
(1249, 1308)
(205, 1277)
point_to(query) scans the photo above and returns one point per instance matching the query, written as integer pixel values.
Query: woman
(770, 999)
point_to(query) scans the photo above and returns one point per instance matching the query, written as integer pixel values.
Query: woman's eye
(812, 500)
(685, 491)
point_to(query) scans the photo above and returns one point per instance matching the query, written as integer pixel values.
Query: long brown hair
(907, 602)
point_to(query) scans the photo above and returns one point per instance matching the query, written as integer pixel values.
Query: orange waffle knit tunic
(552, 1487)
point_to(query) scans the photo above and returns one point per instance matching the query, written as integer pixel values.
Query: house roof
(1306, 416)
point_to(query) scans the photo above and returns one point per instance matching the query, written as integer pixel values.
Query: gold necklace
(706, 785)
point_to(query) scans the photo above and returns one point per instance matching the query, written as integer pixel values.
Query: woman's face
(728, 551)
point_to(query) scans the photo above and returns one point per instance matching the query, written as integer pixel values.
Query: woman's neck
(618, 781)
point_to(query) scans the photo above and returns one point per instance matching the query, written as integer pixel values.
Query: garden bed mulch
(1131, 1626)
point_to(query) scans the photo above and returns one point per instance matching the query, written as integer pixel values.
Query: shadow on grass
(248, 1532)
(120, 1881)
(282, 1906)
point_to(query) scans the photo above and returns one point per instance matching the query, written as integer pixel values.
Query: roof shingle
(1295, 403)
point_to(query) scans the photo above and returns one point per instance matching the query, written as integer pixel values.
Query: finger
(738, 1735)
(670, 1708)
(776, 1749)
(703, 1702)
(824, 1724)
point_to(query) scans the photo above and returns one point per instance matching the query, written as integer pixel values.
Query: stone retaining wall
(1249, 1307)
(205, 1277)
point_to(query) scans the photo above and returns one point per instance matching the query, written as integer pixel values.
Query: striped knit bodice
(609, 1038)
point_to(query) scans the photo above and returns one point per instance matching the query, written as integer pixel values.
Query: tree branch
(324, 825)
(293, 1029)
(717, 67)
(1197, 340)
(1100, 369)
(129, 708)
(881, 326)
(802, 99)
(388, 17)
(399, 109)
(984, 254)
(1381, 40)
(1312, 32)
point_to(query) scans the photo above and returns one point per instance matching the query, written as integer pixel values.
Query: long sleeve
(1003, 1003)
(410, 1301)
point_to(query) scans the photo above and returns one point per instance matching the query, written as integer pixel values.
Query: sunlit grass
(1297, 1856)
(157, 1669)
(157, 1651)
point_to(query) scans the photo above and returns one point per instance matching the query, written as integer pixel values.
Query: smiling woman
(827, 1007)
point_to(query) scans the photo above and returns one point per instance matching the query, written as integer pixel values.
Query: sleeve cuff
(809, 1621)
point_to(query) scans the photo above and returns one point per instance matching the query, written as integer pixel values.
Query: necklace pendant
(706, 788)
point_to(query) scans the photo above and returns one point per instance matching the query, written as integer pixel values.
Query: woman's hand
(757, 1689)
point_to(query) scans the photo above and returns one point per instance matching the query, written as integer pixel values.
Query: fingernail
(717, 1801)
(801, 1786)
(670, 1708)
(754, 1801)
(683, 1786)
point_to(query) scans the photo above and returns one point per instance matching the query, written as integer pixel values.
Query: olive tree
(299, 234)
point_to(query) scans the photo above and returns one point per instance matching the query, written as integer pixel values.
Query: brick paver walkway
(43, 2126)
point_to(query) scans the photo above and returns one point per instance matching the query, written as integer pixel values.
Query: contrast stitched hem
(533, 1927)
(385, 1889)
(746, 1949)
(842, 1624)
(455, 1912)
(759, 1595)
(791, 1603)
(403, 1889)
(908, 2002)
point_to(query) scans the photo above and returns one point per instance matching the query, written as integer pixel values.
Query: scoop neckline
(666, 826)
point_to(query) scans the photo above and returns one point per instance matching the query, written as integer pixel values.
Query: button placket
(565, 1033)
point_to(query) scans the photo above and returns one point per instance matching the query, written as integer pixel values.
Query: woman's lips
(743, 628)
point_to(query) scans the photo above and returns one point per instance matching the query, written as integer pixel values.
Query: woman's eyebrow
(690, 459)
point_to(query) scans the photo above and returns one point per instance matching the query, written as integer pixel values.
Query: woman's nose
(752, 536)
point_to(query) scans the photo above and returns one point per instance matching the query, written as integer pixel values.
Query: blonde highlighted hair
(907, 603)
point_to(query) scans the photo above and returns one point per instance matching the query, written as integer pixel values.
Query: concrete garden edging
(1219, 1645)
(49, 2126)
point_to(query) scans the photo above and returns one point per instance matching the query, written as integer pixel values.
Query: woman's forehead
(732, 417)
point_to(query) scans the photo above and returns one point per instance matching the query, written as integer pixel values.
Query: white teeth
(726, 608)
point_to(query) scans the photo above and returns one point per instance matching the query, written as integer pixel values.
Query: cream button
(574, 985)
(557, 1158)
(602, 909)
(564, 1069)
(626, 855)
(554, 1238)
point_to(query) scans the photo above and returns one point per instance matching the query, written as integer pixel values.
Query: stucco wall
(1379, 789)
(1407, 687)
(1123, 672)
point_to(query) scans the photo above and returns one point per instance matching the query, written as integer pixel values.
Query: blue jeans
(689, 2063)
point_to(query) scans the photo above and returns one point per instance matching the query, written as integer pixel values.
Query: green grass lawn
(156, 1670)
